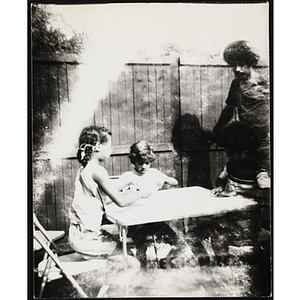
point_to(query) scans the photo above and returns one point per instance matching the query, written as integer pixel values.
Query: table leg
(124, 242)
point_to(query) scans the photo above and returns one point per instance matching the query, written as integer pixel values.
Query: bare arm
(101, 177)
(171, 181)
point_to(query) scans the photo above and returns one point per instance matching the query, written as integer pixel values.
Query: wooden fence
(172, 104)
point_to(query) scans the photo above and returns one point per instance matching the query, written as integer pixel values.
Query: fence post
(176, 112)
(175, 86)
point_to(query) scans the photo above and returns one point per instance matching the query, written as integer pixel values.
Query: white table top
(175, 204)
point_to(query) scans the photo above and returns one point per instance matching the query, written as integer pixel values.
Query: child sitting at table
(92, 188)
(142, 176)
(244, 173)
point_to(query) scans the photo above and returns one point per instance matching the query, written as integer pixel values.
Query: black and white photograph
(151, 155)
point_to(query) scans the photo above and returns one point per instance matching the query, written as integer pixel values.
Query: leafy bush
(47, 40)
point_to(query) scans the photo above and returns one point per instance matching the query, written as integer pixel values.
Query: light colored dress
(86, 234)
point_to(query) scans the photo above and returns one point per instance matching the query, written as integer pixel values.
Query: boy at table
(145, 178)
(142, 176)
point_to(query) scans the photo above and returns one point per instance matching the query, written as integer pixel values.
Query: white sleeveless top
(88, 206)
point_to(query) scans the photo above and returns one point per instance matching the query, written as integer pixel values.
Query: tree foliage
(46, 39)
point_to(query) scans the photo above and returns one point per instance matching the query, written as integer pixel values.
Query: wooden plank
(160, 103)
(130, 105)
(37, 111)
(168, 106)
(116, 165)
(215, 88)
(175, 88)
(98, 113)
(138, 99)
(152, 104)
(50, 196)
(196, 93)
(204, 96)
(108, 165)
(72, 77)
(125, 164)
(146, 104)
(63, 92)
(184, 91)
(106, 113)
(58, 58)
(166, 163)
(216, 165)
(54, 101)
(59, 195)
(45, 106)
(68, 185)
(156, 163)
(123, 116)
(38, 189)
(114, 108)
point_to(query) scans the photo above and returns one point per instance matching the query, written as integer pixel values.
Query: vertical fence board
(152, 104)
(138, 97)
(146, 105)
(50, 196)
(37, 110)
(63, 96)
(185, 81)
(159, 103)
(45, 106)
(69, 181)
(196, 100)
(214, 98)
(217, 162)
(123, 109)
(39, 203)
(168, 106)
(116, 165)
(59, 195)
(130, 105)
(114, 108)
(54, 101)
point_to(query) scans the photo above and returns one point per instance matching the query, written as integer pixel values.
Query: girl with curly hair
(92, 190)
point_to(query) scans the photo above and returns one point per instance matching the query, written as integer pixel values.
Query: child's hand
(227, 194)
(217, 191)
(131, 188)
(145, 193)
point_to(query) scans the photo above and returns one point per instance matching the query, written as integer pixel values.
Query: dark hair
(88, 138)
(240, 53)
(141, 152)
(239, 137)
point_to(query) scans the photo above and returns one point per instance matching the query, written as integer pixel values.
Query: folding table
(173, 204)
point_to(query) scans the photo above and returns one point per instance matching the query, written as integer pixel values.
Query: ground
(240, 267)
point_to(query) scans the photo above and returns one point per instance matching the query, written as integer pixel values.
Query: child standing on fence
(92, 188)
